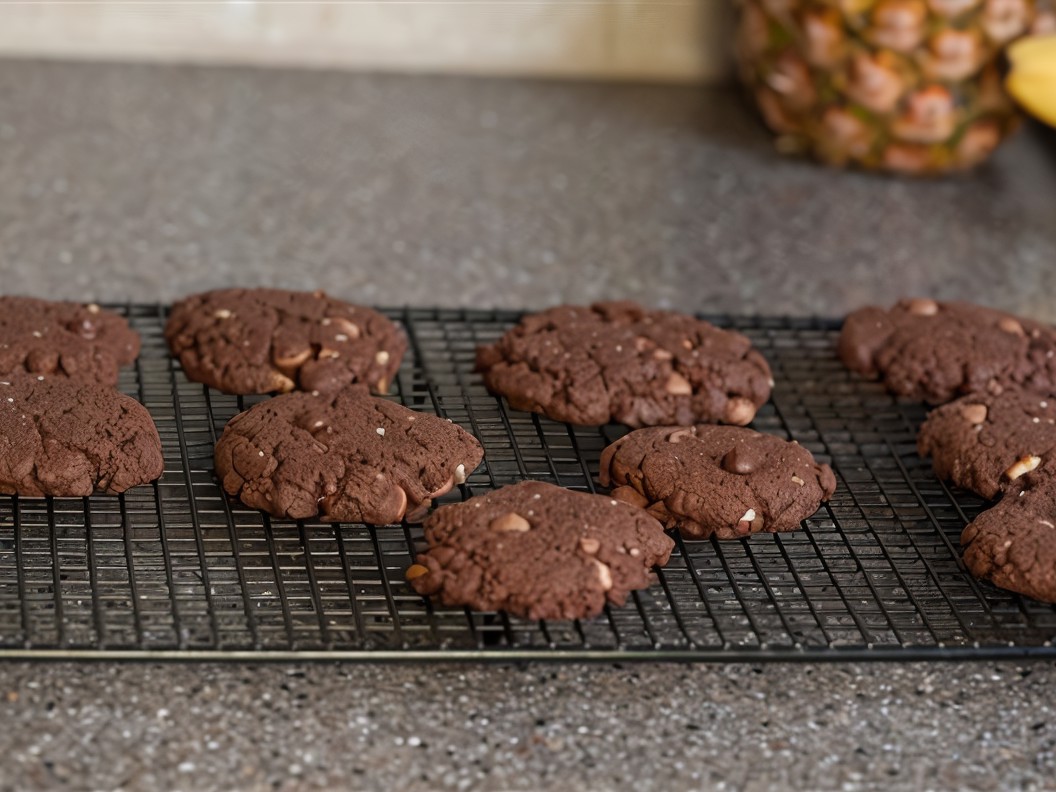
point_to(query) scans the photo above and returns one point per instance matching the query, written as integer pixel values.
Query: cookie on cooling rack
(721, 481)
(265, 340)
(616, 361)
(1013, 544)
(69, 439)
(345, 456)
(937, 351)
(538, 551)
(982, 442)
(75, 341)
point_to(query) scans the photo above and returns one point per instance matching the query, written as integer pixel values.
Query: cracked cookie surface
(69, 340)
(722, 481)
(1013, 544)
(539, 551)
(69, 439)
(617, 361)
(247, 341)
(345, 456)
(936, 351)
(982, 442)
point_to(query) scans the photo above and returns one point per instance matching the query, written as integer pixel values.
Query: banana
(1032, 79)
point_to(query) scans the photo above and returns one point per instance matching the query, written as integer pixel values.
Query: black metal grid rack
(176, 570)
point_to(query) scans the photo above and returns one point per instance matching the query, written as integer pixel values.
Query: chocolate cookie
(1013, 545)
(538, 551)
(69, 439)
(265, 340)
(75, 341)
(983, 441)
(345, 456)
(722, 481)
(937, 351)
(616, 361)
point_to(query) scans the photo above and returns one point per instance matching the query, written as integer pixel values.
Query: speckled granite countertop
(129, 182)
(148, 182)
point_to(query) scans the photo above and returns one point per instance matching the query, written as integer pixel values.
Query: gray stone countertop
(146, 182)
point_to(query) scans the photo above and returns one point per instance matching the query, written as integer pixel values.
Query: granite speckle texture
(148, 182)
(425, 190)
(838, 727)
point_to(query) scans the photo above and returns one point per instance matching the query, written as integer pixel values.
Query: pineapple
(909, 86)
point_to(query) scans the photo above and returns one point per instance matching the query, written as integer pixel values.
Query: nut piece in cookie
(344, 456)
(721, 481)
(64, 340)
(538, 551)
(616, 361)
(68, 439)
(266, 340)
(983, 442)
(936, 351)
(1013, 544)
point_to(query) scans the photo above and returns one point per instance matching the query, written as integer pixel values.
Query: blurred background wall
(672, 40)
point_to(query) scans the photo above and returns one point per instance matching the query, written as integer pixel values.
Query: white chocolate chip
(974, 413)
(739, 411)
(922, 307)
(223, 313)
(748, 516)
(634, 551)
(677, 385)
(260, 453)
(37, 334)
(381, 358)
(93, 308)
(1010, 325)
(510, 522)
(340, 337)
(460, 474)
(589, 545)
(798, 481)
(380, 430)
(604, 575)
(1022, 466)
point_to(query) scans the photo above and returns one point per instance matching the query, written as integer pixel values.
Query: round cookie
(984, 441)
(263, 340)
(345, 456)
(75, 341)
(616, 361)
(721, 481)
(69, 440)
(538, 551)
(1013, 544)
(936, 351)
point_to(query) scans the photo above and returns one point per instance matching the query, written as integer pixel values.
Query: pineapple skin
(905, 86)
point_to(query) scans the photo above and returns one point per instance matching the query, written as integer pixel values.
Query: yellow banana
(1032, 80)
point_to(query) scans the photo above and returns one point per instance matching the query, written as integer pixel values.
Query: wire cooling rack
(176, 570)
